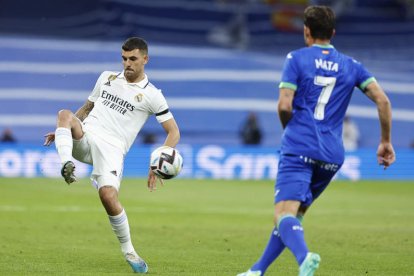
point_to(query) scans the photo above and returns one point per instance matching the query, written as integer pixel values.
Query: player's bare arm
(385, 152)
(173, 137)
(173, 133)
(84, 111)
(285, 105)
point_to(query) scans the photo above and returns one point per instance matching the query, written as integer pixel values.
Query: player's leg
(321, 177)
(107, 174)
(68, 127)
(290, 228)
(283, 189)
(312, 260)
(291, 232)
(117, 216)
(292, 186)
(273, 249)
(293, 195)
(120, 225)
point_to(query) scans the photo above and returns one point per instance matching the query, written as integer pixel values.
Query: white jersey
(121, 108)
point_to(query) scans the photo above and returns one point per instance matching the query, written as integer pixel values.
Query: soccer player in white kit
(103, 129)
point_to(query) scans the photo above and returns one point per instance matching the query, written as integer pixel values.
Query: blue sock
(274, 247)
(291, 233)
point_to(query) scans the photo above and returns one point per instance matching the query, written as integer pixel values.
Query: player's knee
(65, 115)
(109, 199)
(108, 194)
(285, 209)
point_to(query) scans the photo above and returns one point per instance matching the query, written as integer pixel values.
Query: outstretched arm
(385, 152)
(173, 137)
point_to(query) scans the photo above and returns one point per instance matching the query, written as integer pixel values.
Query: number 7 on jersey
(328, 84)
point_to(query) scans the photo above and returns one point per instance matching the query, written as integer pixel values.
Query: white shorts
(107, 160)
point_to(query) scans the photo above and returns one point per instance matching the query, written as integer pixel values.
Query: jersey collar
(142, 84)
(323, 45)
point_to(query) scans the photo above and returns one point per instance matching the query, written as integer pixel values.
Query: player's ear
(333, 33)
(306, 31)
(306, 35)
(146, 59)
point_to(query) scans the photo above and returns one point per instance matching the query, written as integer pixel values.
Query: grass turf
(201, 227)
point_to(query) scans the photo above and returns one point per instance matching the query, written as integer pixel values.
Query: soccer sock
(274, 247)
(291, 233)
(64, 144)
(120, 226)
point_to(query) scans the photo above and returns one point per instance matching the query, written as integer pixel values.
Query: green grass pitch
(201, 227)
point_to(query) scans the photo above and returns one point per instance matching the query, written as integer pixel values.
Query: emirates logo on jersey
(139, 97)
(114, 102)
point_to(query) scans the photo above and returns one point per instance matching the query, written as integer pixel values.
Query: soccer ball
(166, 162)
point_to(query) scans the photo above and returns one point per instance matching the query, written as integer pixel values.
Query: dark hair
(320, 20)
(133, 43)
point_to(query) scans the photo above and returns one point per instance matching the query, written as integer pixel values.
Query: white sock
(120, 226)
(64, 144)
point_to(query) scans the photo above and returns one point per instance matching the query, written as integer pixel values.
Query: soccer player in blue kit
(316, 87)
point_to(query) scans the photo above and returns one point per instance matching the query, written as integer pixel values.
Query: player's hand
(49, 138)
(385, 154)
(152, 181)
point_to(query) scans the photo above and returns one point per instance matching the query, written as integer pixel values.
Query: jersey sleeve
(363, 77)
(96, 90)
(290, 73)
(159, 107)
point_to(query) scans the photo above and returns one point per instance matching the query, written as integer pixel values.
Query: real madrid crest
(139, 97)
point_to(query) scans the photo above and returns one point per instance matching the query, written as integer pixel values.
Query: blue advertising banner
(206, 161)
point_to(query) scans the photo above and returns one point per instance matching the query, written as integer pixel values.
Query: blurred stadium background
(216, 62)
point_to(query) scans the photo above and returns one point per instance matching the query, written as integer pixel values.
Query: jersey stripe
(162, 112)
(288, 85)
(365, 83)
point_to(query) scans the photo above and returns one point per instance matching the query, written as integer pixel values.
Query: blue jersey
(323, 80)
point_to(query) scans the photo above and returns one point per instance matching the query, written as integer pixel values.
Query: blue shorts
(302, 178)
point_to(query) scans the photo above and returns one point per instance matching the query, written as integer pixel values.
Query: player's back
(324, 81)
